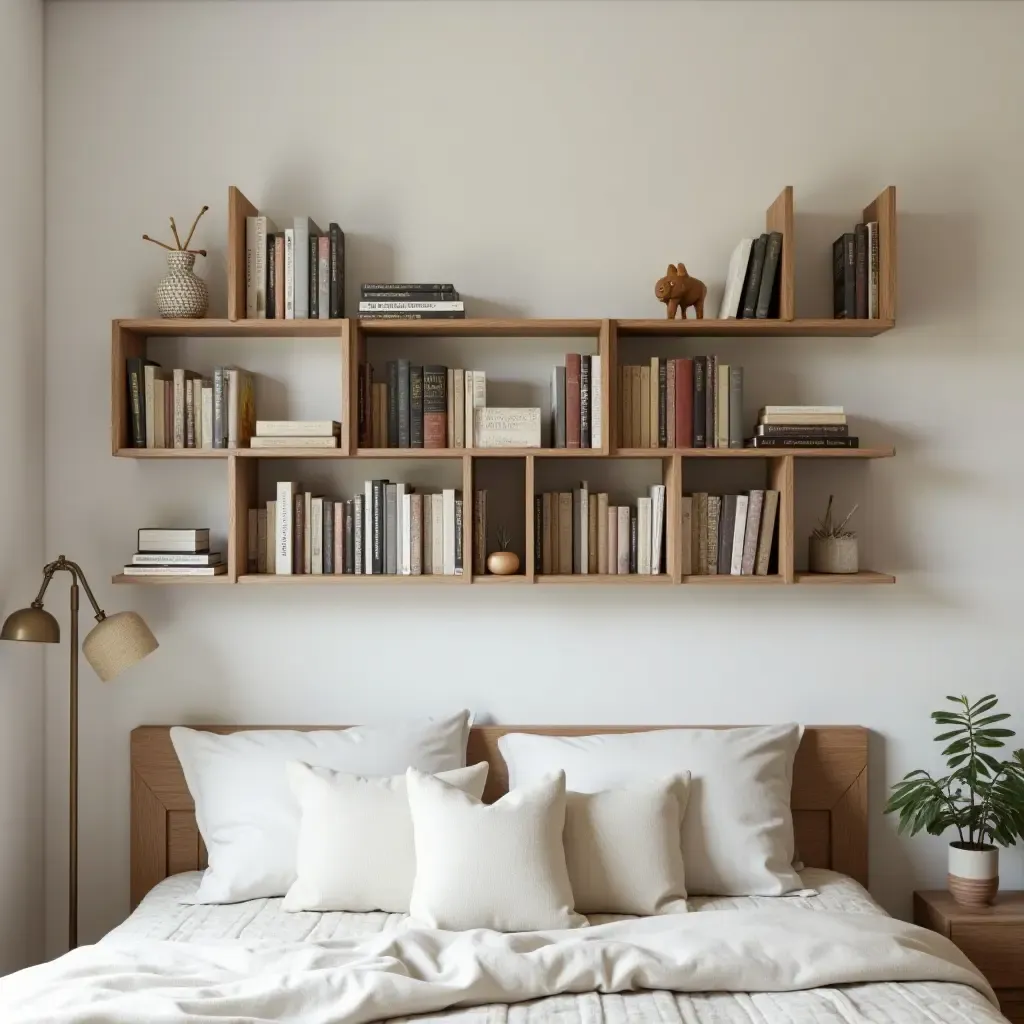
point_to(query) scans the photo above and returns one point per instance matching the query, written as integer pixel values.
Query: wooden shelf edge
(503, 581)
(484, 328)
(806, 328)
(756, 453)
(594, 579)
(163, 581)
(173, 453)
(727, 580)
(215, 327)
(346, 579)
(847, 579)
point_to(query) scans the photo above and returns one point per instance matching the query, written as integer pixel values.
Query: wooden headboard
(830, 796)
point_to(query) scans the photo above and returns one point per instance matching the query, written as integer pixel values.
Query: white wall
(551, 159)
(21, 469)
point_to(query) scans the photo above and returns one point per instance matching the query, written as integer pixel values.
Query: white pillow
(245, 812)
(622, 848)
(498, 866)
(737, 835)
(355, 850)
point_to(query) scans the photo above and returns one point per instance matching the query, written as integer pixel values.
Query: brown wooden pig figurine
(679, 291)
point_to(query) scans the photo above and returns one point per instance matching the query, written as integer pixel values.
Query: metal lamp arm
(62, 564)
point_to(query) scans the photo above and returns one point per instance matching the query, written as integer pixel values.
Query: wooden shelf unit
(130, 337)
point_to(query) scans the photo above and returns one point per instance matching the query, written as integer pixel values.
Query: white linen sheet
(253, 962)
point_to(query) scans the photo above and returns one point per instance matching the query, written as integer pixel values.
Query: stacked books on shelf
(681, 403)
(438, 407)
(730, 534)
(580, 532)
(389, 529)
(415, 301)
(181, 409)
(855, 268)
(297, 273)
(576, 395)
(802, 426)
(175, 553)
(296, 434)
(752, 280)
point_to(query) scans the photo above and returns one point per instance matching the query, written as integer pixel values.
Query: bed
(830, 817)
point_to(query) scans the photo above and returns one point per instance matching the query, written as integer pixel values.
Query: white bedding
(253, 962)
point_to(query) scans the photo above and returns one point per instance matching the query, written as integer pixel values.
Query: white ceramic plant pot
(973, 877)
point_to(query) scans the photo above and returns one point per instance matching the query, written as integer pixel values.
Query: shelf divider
(783, 476)
(529, 567)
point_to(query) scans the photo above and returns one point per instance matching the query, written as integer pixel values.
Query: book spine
(415, 406)
(435, 407)
(634, 541)
(136, 398)
(391, 529)
(301, 268)
(625, 410)
(413, 315)
(270, 554)
(408, 295)
(804, 442)
(219, 409)
(700, 376)
(411, 306)
(402, 397)
(860, 271)
(393, 404)
(190, 414)
(767, 288)
(592, 534)
(327, 541)
(573, 363)
(726, 528)
(368, 289)
(684, 410)
(179, 408)
(622, 537)
(415, 534)
(657, 527)
(670, 403)
(714, 517)
(643, 536)
(284, 528)
(564, 520)
(538, 532)
(700, 554)
(313, 248)
(459, 534)
(337, 283)
(289, 273)
(271, 277)
(584, 402)
(754, 274)
(405, 535)
(479, 397)
(260, 258)
(377, 528)
(298, 534)
(662, 432)
(795, 430)
(873, 256)
(279, 276)
(735, 406)
(479, 533)
(736, 540)
(596, 400)
(644, 373)
(360, 535)
(148, 406)
(766, 533)
(351, 537)
(232, 407)
(323, 277)
(722, 405)
(602, 535)
(686, 535)
(307, 536)
(711, 401)
(755, 507)
(843, 277)
(558, 407)
(250, 268)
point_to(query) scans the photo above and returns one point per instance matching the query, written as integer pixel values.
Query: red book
(573, 362)
(684, 403)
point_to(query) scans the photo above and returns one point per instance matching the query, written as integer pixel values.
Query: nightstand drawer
(995, 948)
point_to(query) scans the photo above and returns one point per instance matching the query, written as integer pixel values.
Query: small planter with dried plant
(181, 293)
(832, 547)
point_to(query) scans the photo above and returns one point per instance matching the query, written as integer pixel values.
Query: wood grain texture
(241, 497)
(348, 392)
(672, 477)
(780, 218)
(805, 328)
(529, 489)
(238, 209)
(484, 328)
(853, 579)
(830, 761)
(883, 210)
(214, 327)
(783, 479)
(756, 453)
(125, 344)
(166, 581)
(606, 350)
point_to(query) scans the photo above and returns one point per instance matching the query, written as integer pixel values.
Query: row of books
(731, 534)
(681, 403)
(175, 552)
(752, 280)
(855, 269)
(802, 426)
(178, 408)
(410, 301)
(577, 532)
(389, 529)
(294, 274)
(296, 434)
(576, 394)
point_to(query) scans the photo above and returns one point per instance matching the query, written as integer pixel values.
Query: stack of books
(729, 534)
(802, 426)
(580, 532)
(410, 301)
(175, 553)
(389, 529)
(855, 268)
(752, 280)
(294, 274)
(182, 409)
(296, 434)
(576, 394)
(681, 403)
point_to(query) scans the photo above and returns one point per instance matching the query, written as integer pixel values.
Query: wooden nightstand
(991, 937)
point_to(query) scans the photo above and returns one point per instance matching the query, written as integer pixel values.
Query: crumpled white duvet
(412, 971)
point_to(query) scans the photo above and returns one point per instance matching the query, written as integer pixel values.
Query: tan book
(338, 540)
(459, 401)
(416, 534)
(602, 534)
(637, 410)
(428, 539)
(380, 415)
(293, 442)
(297, 428)
(271, 568)
(480, 533)
(622, 537)
(437, 534)
(625, 408)
(654, 411)
(722, 407)
(714, 522)
(700, 502)
(549, 510)
(261, 540)
(645, 406)
(307, 533)
(592, 534)
(686, 535)
(612, 540)
(766, 532)
(803, 419)
(670, 403)
(450, 399)
(565, 533)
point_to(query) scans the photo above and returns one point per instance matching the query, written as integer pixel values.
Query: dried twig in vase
(193, 231)
(174, 231)
(169, 248)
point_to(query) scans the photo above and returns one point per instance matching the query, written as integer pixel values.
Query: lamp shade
(117, 642)
(36, 625)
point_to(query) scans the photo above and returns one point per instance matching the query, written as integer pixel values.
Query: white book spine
(738, 534)
(643, 536)
(271, 536)
(300, 261)
(448, 530)
(735, 277)
(584, 527)
(596, 393)
(289, 273)
(479, 398)
(206, 417)
(657, 526)
(250, 268)
(459, 407)
(437, 534)
(284, 525)
(406, 535)
(399, 527)
(623, 535)
(412, 306)
(612, 556)
(468, 403)
(368, 528)
(316, 538)
(149, 376)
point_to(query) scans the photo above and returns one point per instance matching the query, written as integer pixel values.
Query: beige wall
(551, 158)
(21, 473)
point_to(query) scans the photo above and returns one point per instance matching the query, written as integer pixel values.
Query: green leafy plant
(827, 530)
(981, 797)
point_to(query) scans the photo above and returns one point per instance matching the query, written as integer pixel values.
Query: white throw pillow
(245, 812)
(498, 866)
(355, 850)
(737, 834)
(622, 848)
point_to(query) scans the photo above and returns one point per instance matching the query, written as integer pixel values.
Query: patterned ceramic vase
(181, 293)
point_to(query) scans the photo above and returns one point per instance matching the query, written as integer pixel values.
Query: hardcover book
(755, 507)
(700, 376)
(752, 285)
(714, 514)
(734, 280)
(573, 364)
(584, 401)
(435, 407)
(766, 532)
(860, 271)
(738, 534)
(844, 284)
(767, 295)
(736, 434)
(415, 407)
(497, 427)
(558, 407)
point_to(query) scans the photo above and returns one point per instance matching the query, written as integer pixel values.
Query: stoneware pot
(973, 877)
(181, 293)
(503, 563)
(832, 554)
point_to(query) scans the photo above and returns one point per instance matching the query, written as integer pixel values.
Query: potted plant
(503, 562)
(981, 797)
(833, 548)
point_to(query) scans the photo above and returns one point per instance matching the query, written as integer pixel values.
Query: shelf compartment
(725, 579)
(847, 579)
(296, 579)
(163, 581)
(582, 579)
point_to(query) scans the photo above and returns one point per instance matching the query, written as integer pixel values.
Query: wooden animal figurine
(680, 291)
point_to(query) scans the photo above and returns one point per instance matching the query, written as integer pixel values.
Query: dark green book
(415, 407)
(392, 404)
(328, 538)
(403, 404)
(314, 283)
(752, 285)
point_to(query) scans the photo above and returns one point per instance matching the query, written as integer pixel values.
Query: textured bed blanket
(414, 971)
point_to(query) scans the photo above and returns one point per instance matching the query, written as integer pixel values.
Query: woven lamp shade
(117, 643)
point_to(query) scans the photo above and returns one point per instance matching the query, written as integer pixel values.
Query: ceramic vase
(832, 554)
(503, 563)
(181, 293)
(973, 877)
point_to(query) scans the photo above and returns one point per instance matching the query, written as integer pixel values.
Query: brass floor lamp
(115, 643)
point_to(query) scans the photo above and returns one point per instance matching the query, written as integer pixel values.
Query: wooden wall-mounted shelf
(351, 339)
